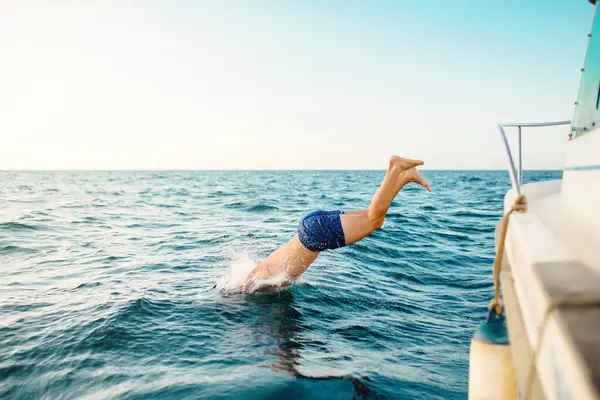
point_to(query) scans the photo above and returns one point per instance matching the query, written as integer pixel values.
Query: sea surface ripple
(107, 286)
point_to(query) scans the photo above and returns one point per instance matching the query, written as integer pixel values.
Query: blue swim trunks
(322, 230)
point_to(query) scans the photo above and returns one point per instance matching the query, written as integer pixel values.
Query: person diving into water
(328, 230)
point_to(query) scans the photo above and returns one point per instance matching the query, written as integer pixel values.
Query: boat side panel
(544, 269)
(581, 182)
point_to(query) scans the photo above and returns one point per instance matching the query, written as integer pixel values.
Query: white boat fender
(491, 370)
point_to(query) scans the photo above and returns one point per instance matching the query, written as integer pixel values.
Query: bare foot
(413, 175)
(402, 164)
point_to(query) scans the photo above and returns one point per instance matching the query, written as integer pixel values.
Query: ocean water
(107, 286)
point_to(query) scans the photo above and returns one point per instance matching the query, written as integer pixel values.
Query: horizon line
(263, 170)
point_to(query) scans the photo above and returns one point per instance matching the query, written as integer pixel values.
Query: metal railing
(516, 173)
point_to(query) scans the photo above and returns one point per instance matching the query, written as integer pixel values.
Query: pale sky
(284, 84)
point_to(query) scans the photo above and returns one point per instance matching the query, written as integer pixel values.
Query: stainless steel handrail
(516, 174)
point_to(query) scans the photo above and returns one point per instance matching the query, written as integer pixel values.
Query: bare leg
(292, 259)
(357, 225)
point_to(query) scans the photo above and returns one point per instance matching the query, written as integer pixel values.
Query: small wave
(471, 179)
(403, 276)
(476, 213)
(167, 205)
(119, 329)
(113, 258)
(16, 249)
(17, 226)
(272, 220)
(220, 193)
(178, 192)
(87, 285)
(359, 333)
(468, 285)
(183, 214)
(257, 208)
(474, 229)
(235, 205)
(261, 208)
(152, 225)
(451, 235)
(174, 243)
(86, 220)
(99, 203)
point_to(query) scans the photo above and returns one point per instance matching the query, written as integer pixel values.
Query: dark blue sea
(107, 286)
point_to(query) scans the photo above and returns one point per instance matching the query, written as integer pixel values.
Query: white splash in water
(242, 263)
(234, 278)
